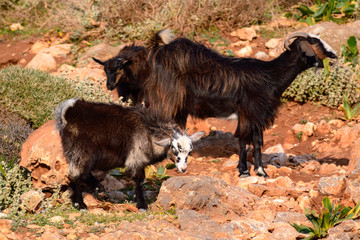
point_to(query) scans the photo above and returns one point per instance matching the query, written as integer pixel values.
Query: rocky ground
(308, 153)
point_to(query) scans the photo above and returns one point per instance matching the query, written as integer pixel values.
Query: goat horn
(297, 34)
(186, 131)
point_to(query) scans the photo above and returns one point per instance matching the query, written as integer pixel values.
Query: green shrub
(34, 94)
(350, 51)
(15, 182)
(328, 90)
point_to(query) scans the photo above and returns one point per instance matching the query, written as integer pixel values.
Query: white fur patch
(166, 36)
(61, 110)
(136, 156)
(326, 46)
(74, 171)
(182, 146)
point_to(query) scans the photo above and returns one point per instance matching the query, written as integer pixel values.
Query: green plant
(327, 90)
(328, 10)
(14, 181)
(2, 171)
(299, 136)
(349, 112)
(350, 51)
(330, 217)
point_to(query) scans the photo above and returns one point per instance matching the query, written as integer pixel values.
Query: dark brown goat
(187, 78)
(128, 70)
(105, 136)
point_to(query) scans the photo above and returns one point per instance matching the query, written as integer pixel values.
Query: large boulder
(42, 155)
(209, 195)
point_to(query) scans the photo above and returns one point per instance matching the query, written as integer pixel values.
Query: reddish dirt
(209, 159)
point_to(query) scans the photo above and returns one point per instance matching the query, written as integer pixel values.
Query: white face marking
(326, 46)
(181, 147)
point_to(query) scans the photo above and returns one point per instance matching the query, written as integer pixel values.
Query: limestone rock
(332, 185)
(42, 155)
(38, 46)
(43, 62)
(273, 43)
(352, 190)
(354, 163)
(203, 192)
(348, 135)
(261, 55)
(244, 52)
(246, 33)
(31, 200)
(60, 50)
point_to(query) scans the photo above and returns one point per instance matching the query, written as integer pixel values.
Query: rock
(38, 46)
(112, 184)
(328, 169)
(31, 200)
(284, 231)
(203, 192)
(230, 164)
(261, 55)
(257, 189)
(323, 128)
(354, 163)
(16, 26)
(352, 190)
(273, 43)
(348, 135)
(247, 33)
(337, 123)
(251, 226)
(42, 155)
(244, 52)
(205, 228)
(335, 34)
(43, 62)
(301, 159)
(244, 182)
(274, 53)
(304, 129)
(57, 219)
(304, 202)
(275, 155)
(101, 51)
(5, 226)
(116, 196)
(291, 217)
(348, 229)
(332, 185)
(60, 50)
(240, 43)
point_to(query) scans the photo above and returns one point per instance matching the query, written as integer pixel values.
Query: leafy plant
(2, 171)
(349, 112)
(329, 10)
(299, 136)
(327, 90)
(350, 51)
(330, 217)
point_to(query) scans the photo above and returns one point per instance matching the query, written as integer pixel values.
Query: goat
(128, 69)
(187, 78)
(105, 136)
(126, 72)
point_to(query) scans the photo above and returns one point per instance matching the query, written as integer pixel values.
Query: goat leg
(76, 196)
(242, 165)
(139, 195)
(258, 166)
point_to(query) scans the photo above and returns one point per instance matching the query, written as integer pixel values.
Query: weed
(350, 51)
(330, 217)
(299, 136)
(350, 113)
(328, 10)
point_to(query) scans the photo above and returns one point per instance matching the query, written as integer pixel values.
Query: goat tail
(60, 112)
(164, 36)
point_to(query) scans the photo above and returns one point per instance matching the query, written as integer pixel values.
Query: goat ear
(196, 136)
(164, 143)
(306, 48)
(98, 61)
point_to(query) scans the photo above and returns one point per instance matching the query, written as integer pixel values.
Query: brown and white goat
(187, 78)
(105, 136)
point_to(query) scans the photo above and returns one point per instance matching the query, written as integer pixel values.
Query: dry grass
(135, 19)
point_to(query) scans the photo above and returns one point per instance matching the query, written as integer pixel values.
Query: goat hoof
(80, 206)
(261, 172)
(142, 207)
(244, 174)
